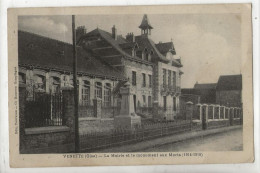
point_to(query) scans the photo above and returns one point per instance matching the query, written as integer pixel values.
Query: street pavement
(220, 139)
(227, 141)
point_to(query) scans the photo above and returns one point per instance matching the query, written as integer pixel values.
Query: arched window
(86, 93)
(22, 78)
(39, 82)
(107, 95)
(71, 82)
(55, 86)
(98, 90)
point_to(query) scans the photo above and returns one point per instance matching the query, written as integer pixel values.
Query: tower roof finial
(145, 24)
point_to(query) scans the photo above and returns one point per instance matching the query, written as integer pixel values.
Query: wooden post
(76, 101)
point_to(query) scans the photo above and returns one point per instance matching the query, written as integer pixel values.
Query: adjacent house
(206, 91)
(229, 90)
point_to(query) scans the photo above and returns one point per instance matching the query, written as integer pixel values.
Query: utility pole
(76, 101)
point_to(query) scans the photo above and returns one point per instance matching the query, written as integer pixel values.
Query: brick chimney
(80, 31)
(130, 37)
(114, 33)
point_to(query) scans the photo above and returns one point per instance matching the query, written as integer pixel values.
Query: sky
(209, 44)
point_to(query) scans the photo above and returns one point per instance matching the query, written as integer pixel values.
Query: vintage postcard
(130, 85)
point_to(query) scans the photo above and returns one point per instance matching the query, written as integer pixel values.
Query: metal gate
(44, 110)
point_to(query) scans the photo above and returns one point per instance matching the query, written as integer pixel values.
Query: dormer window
(145, 54)
(133, 52)
(150, 56)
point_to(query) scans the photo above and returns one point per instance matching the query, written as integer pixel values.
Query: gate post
(241, 116)
(155, 109)
(68, 112)
(231, 116)
(22, 99)
(204, 117)
(97, 107)
(189, 112)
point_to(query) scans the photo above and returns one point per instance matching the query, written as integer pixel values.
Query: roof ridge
(164, 42)
(48, 59)
(45, 37)
(204, 83)
(230, 75)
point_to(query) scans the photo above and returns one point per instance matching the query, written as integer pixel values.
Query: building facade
(152, 69)
(106, 61)
(45, 66)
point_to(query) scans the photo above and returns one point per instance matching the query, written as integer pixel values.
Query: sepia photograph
(132, 85)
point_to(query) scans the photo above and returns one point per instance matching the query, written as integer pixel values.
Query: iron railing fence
(237, 121)
(97, 140)
(218, 124)
(144, 111)
(86, 110)
(110, 111)
(44, 110)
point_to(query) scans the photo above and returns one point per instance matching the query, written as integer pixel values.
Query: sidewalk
(166, 140)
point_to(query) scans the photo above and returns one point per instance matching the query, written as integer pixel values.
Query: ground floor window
(164, 103)
(174, 104)
(22, 78)
(98, 90)
(39, 82)
(107, 95)
(144, 101)
(55, 85)
(149, 101)
(86, 93)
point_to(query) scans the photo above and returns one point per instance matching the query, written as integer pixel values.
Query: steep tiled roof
(43, 52)
(166, 47)
(128, 45)
(230, 82)
(116, 44)
(205, 86)
(145, 42)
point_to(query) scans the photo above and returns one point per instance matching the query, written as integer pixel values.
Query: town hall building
(152, 69)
